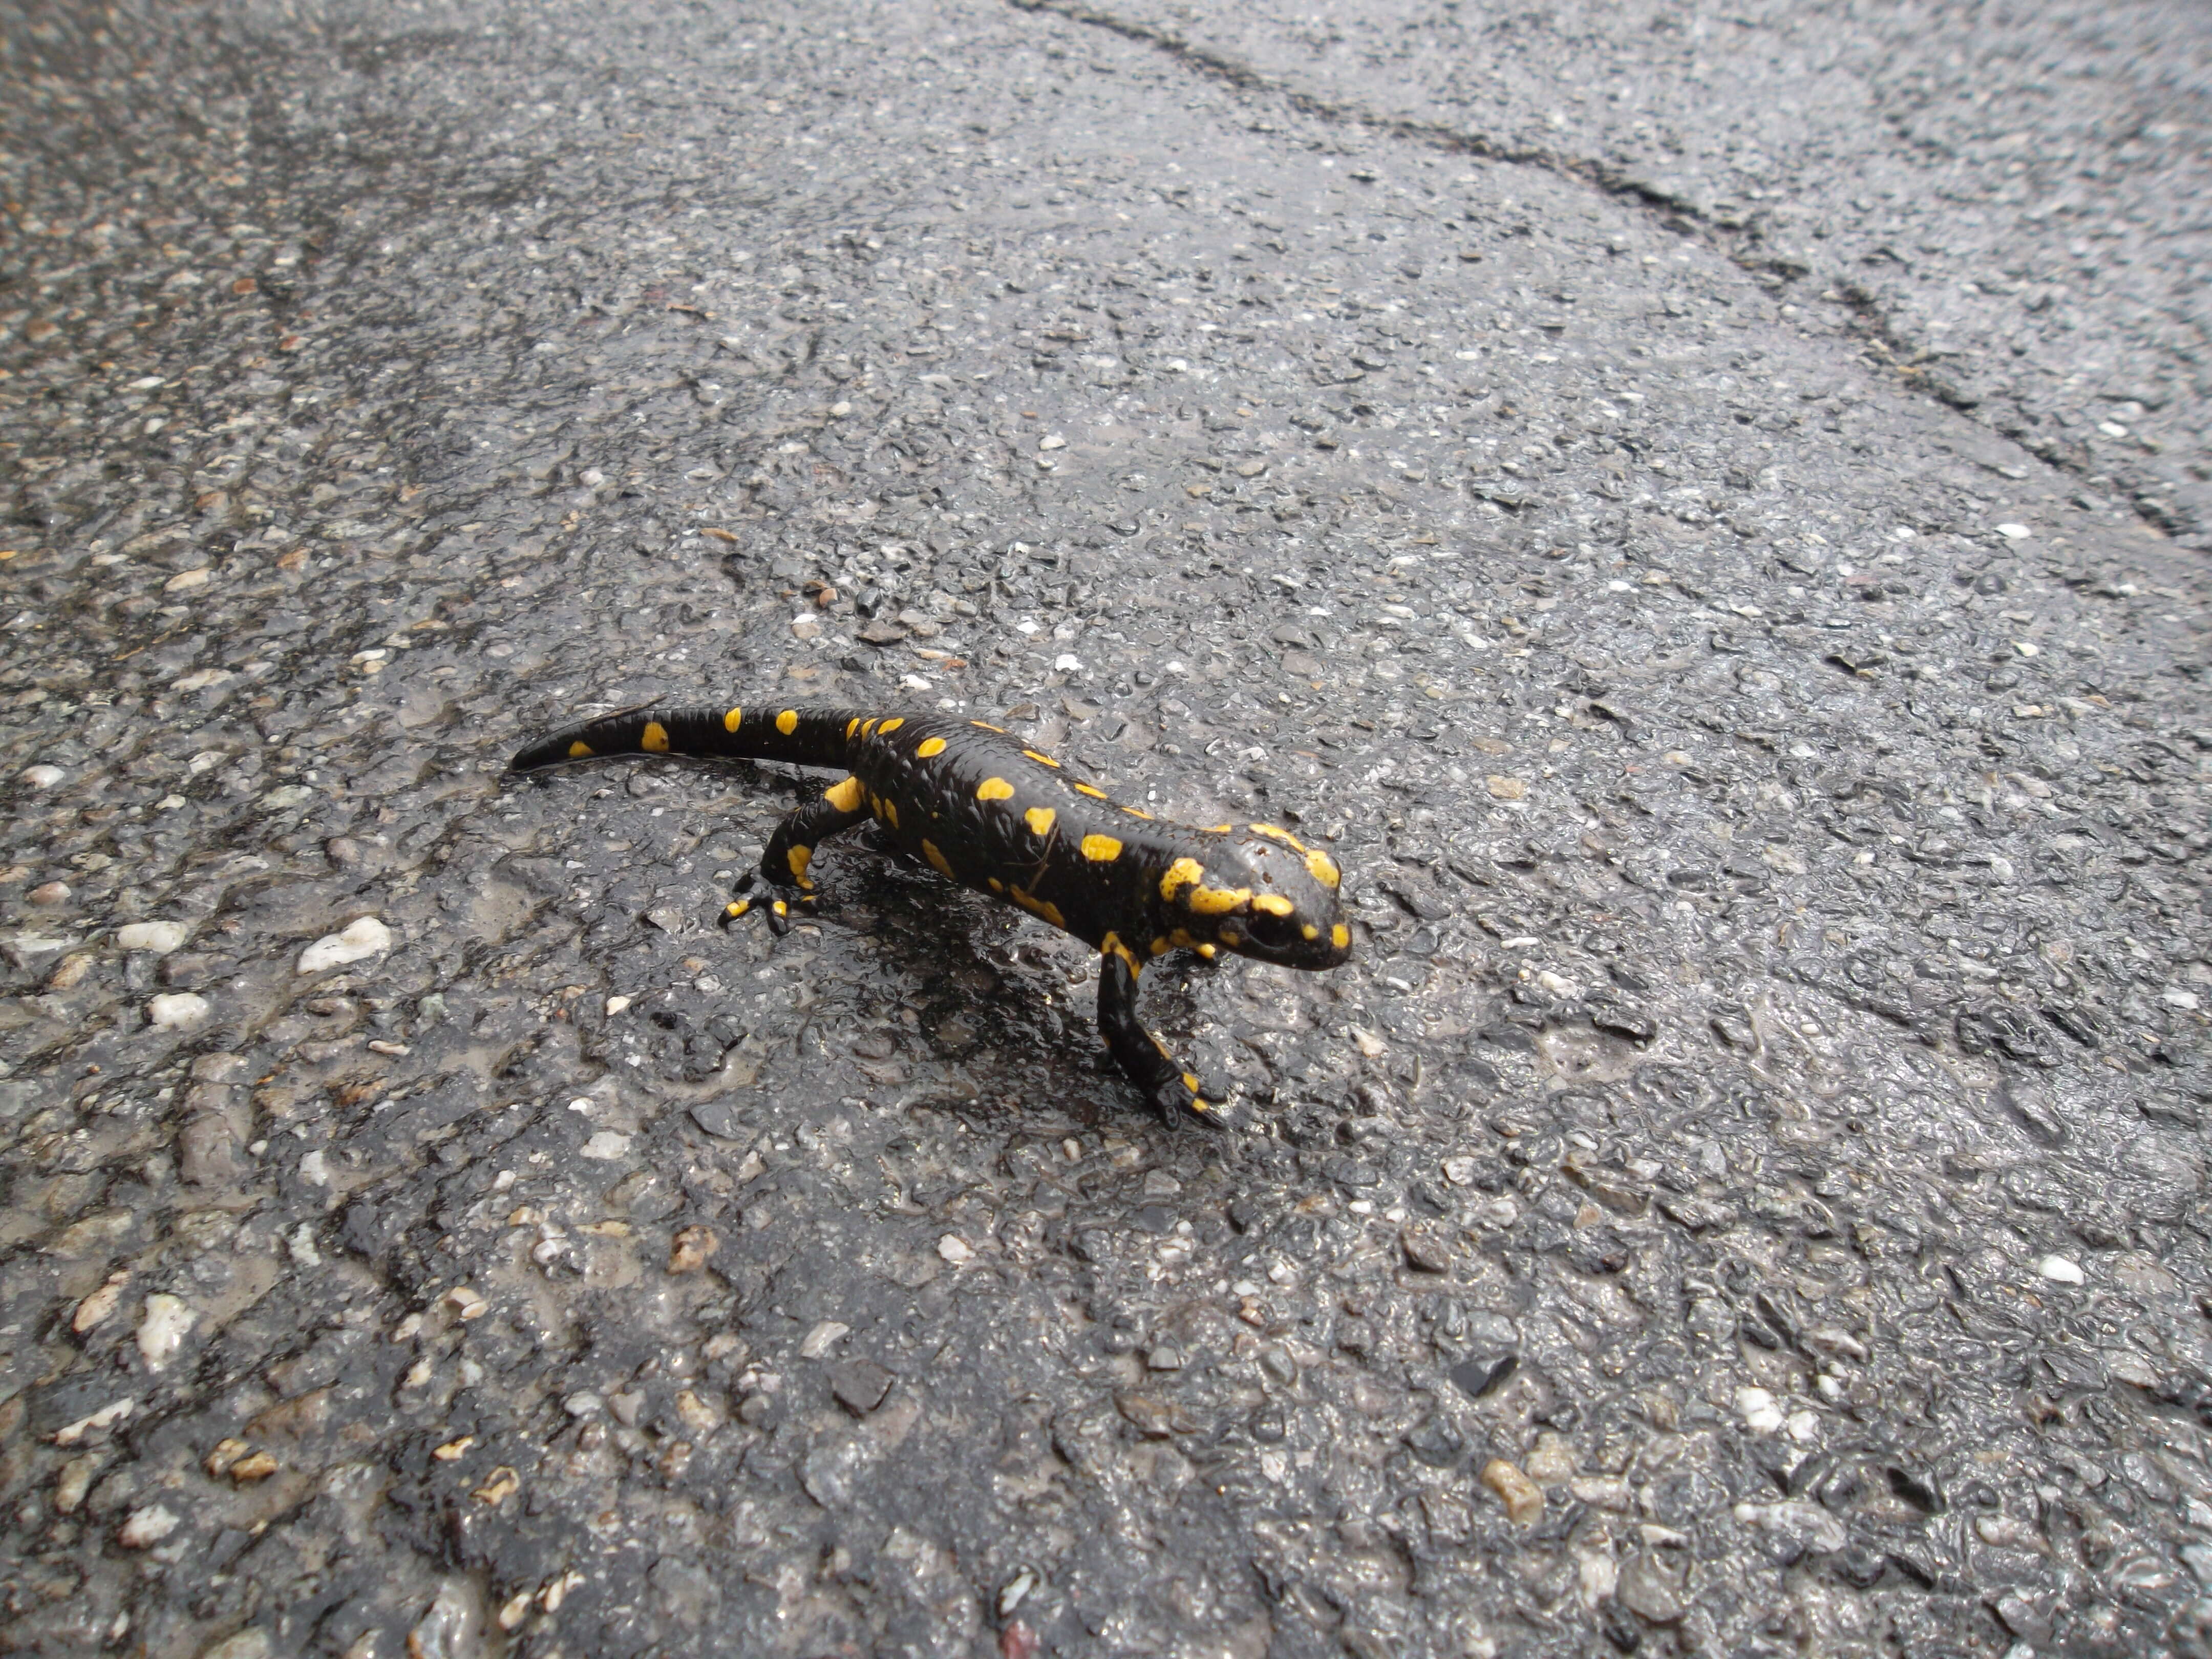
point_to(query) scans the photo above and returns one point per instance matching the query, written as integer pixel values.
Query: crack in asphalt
(1886, 345)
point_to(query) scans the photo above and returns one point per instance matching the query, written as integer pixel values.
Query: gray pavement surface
(1700, 511)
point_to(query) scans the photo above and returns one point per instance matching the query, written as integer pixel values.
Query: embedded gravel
(1745, 1196)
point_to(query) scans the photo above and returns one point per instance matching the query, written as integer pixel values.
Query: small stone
(956, 1249)
(1761, 1415)
(159, 938)
(1483, 1374)
(162, 1328)
(254, 1466)
(2059, 1271)
(1646, 1590)
(1506, 788)
(49, 894)
(1806, 1525)
(75, 1482)
(147, 1527)
(466, 1302)
(185, 580)
(356, 941)
(690, 1249)
(179, 1011)
(42, 777)
(605, 1147)
(1427, 1249)
(2012, 533)
(101, 1305)
(1052, 441)
(859, 1385)
(1523, 1497)
(251, 1642)
(823, 1338)
(1551, 1462)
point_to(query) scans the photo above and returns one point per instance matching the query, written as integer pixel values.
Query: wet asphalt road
(1701, 514)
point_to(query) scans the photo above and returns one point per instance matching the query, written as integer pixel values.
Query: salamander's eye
(1271, 931)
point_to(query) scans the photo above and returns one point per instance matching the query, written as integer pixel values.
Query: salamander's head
(1261, 892)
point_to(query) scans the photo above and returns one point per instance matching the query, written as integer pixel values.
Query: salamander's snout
(1267, 895)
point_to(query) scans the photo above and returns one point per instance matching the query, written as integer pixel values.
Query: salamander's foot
(780, 912)
(1188, 1098)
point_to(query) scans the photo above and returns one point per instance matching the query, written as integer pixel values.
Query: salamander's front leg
(1140, 1053)
(791, 849)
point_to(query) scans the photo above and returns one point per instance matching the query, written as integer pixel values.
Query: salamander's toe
(1191, 1099)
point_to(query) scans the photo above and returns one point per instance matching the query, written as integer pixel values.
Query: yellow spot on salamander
(890, 725)
(994, 789)
(986, 726)
(1275, 834)
(1101, 849)
(781, 908)
(654, 738)
(735, 719)
(1161, 947)
(1138, 812)
(930, 748)
(1042, 909)
(890, 813)
(1217, 900)
(1039, 819)
(937, 862)
(1190, 1082)
(1087, 789)
(851, 727)
(579, 750)
(1274, 904)
(868, 728)
(798, 858)
(1206, 951)
(1309, 930)
(737, 909)
(1339, 936)
(1181, 874)
(1182, 937)
(997, 886)
(1112, 946)
(846, 794)
(787, 721)
(1322, 868)
(1042, 759)
(1218, 828)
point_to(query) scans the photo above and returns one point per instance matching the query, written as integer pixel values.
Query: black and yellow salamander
(989, 814)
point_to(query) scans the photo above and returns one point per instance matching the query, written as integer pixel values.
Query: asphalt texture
(1701, 514)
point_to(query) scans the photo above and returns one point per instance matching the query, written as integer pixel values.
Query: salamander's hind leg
(1140, 1053)
(791, 849)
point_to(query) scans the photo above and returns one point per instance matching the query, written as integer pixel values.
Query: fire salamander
(988, 813)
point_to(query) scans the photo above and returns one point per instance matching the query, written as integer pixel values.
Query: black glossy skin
(970, 801)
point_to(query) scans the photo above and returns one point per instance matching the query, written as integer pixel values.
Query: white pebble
(365, 938)
(161, 1329)
(2059, 1271)
(1760, 1414)
(605, 1147)
(147, 1527)
(314, 1171)
(616, 1004)
(1052, 441)
(179, 1011)
(956, 1249)
(2014, 532)
(159, 937)
(2178, 999)
(43, 777)
(823, 1338)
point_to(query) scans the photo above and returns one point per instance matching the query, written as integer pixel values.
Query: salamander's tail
(804, 737)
